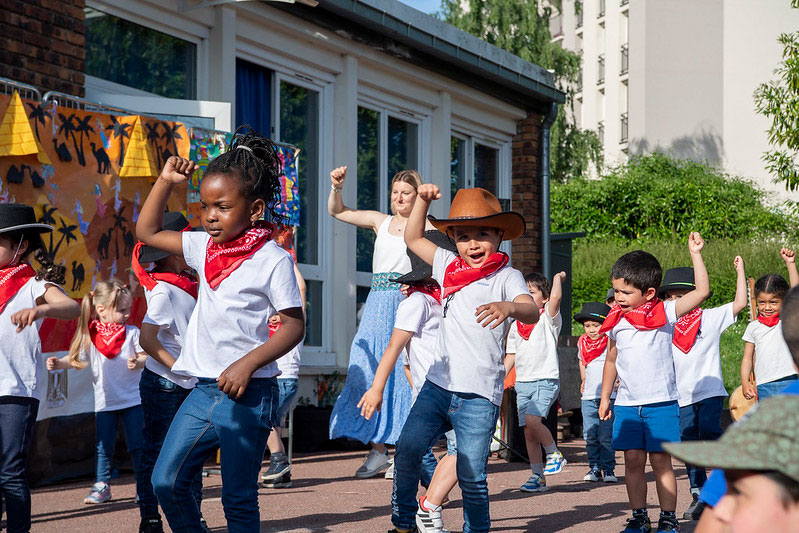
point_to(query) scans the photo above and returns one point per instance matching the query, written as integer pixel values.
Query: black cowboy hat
(611, 295)
(597, 311)
(20, 217)
(173, 221)
(419, 269)
(676, 279)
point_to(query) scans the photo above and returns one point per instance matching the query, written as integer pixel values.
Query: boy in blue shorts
(640, 328)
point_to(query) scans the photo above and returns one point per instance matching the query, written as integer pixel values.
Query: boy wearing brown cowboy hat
(463, 390)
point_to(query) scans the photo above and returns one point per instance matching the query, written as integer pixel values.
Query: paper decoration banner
(205, 146)
(290, 187)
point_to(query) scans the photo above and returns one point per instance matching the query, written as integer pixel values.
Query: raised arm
(414, 230)
(694, 299)
(789, 256)
(302, 286)
(339, 211)
(149, 227)
(740, 301)
(372, 399)
(556, 294)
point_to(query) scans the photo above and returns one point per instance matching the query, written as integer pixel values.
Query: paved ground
(325, 498)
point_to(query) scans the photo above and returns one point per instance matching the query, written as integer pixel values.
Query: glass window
(403, 151)
(486, 167)
(299, 125)
(368, 184)
(313, 313)
(139, 57)
(457, 165)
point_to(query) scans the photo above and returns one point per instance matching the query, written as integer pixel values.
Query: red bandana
(222, 259)
(430, 289)
(649, 315)
(107, 337)
(686, 329)
(150, 279)
(769, 321)
(526, 329)
(458, 274)
(590, 348)
(12, 278)
(273, 328)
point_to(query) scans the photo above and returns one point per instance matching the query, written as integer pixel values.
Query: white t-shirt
(592, 390)
(773, 359)
(289, 364)
(170, 308)
(644, 361)
(115, 385)
(469, 357)
(231, 321)
(419, 314)
(699, 370)
(21, 365)
(537, 357)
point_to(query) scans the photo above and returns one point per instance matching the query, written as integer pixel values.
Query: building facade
(677, 76)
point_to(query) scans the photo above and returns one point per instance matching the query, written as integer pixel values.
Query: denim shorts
(646, 427)
(535, 398)
(288, 390)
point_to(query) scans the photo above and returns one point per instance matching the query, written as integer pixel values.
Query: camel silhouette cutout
(62, 151)
(36, 179)
(102, 245)
(17, 175)
(103, 163)
(78, 275)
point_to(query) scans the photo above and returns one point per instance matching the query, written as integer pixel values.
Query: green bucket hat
(766, 439)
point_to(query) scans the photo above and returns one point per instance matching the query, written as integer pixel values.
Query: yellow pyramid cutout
(139, 161)
(16, 135)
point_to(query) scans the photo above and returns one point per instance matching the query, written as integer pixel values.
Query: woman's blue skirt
(371, 340)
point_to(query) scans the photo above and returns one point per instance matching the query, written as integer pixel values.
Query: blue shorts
(535, 398)
(646, 427)
(288, 390)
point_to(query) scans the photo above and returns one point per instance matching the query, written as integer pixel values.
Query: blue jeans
(700, 421)
(208, 419)
(429, 461)
(105, 427)
(17, 418)
(435, 411)
(772, 388)
(288, 390)
(598, 435)
(160, 400)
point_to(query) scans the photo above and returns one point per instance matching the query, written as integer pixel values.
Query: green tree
(522, 28)
(778, 100)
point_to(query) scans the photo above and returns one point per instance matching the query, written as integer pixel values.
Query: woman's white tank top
(390, 251)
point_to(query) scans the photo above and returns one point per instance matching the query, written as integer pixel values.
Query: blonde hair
(106, 293)
(411, 177)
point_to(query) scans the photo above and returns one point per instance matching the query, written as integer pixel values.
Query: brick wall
(525, 195)
(43, 44)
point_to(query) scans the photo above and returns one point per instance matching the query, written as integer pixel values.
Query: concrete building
(677, 76)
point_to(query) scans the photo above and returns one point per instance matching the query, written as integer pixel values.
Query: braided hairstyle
(253, 160)
(48, 270)
(772, 284)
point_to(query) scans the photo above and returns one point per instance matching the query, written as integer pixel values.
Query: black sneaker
(694, 510)
(151, 525)
(277, 468)
(283, 482)
(668, 524)
(638, 524)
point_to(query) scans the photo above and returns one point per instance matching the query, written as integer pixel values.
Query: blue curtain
(254, 97)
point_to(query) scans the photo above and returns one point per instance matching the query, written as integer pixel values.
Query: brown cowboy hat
(479, 208)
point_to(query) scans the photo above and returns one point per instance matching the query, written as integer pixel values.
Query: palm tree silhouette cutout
(67, 232)
(37, 115)
(83, 128)
(67, 128)
(47, 218)
(171, 135)
(152, 137)
(120, 130)
(117, 228)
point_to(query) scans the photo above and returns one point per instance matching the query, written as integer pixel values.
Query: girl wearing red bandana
(773, 366)
(27, 296)
(533, 350)
(111, 348)
(244, 278)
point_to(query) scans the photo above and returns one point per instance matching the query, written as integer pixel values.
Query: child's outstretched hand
(26, 317)
(788, 255)
(371, 401)
(428, 192)
(738, 263)
(695, 242)
(337, 177)
(177, 170)
(495, 312)
(561, 276)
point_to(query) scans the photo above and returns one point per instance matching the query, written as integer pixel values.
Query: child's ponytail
(81, 340)
(48, 270)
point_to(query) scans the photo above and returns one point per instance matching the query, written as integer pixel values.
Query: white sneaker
(429, 520)
(375, 463)
(390, 471)
(99, 493)
(593, 475)
(608, 477)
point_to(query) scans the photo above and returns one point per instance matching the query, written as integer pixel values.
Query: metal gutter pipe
(546, 245)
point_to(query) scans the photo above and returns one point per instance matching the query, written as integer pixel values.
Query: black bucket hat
(20, 217)
(173, 221)
(675, 279)
(419, 269)
(592, 311)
